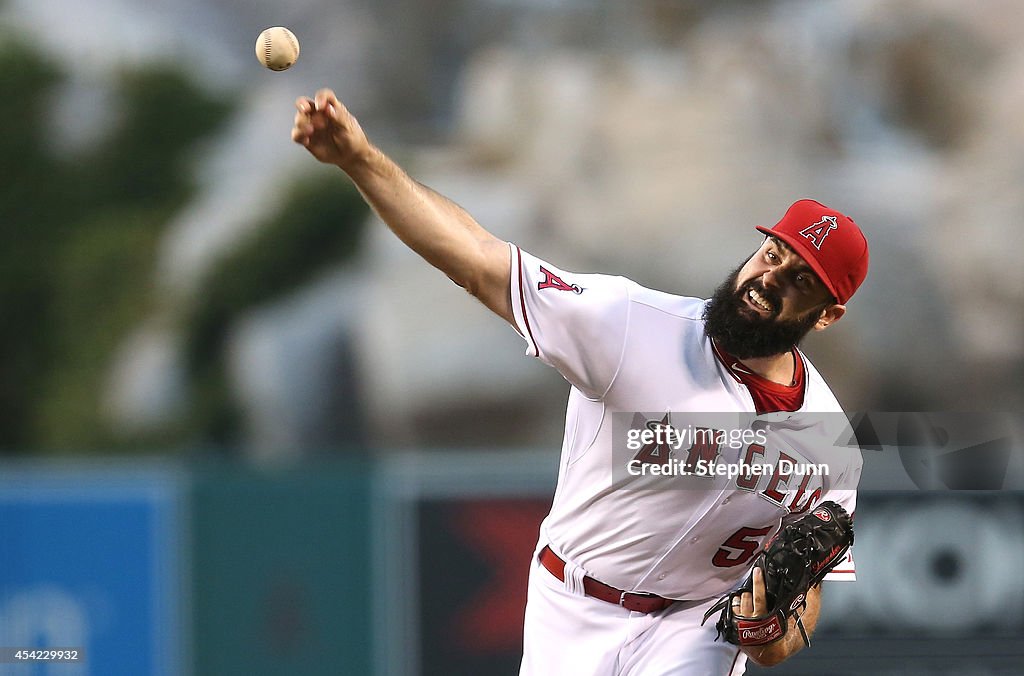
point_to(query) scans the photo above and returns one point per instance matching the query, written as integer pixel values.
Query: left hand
(754, 603)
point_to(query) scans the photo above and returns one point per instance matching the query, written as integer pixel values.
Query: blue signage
(89, 561)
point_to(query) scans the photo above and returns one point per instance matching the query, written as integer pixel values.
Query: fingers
(313, 114)
(760, 595)
(301, 135)
(302, 126)
(746, 606)
(326, 101)
(328, 130)
(752, 604)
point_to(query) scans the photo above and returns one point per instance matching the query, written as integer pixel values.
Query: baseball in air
(277, 48)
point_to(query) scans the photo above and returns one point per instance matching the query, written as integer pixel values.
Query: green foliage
(128, 188)
(319, 225)
(105, 269)
(145, 160)
(80, 235)
(28, 200)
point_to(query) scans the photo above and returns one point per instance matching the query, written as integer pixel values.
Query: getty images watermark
(800, 452)
(730, 470)
(669, 452)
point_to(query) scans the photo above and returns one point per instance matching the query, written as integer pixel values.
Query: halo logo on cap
(817, 232)
(830, 242)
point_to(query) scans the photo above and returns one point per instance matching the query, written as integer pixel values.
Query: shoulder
(683, 307)
(818, 395)
(536, 277)
(833, 422)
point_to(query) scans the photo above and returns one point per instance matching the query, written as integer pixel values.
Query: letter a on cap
(819, 231)
(843, 264)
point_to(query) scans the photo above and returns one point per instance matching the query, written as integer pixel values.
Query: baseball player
(627, 565)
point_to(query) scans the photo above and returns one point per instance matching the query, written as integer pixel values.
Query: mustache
(743, 334)
(771, 297)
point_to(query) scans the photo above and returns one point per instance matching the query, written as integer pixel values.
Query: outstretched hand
(325, 127)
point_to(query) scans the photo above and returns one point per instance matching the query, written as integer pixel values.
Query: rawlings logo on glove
(795, 560)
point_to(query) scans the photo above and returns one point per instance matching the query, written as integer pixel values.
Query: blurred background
(245, 431)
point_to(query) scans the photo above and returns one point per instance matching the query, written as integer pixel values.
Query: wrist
(767, 655)
(359, 162)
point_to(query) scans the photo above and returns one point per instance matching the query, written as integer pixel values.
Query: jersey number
(740, 547)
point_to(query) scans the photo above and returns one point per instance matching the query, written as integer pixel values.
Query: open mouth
(758, 302)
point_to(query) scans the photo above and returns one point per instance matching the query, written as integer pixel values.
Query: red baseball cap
(830, 242)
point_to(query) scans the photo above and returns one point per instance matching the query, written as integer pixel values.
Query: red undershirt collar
(768, 396)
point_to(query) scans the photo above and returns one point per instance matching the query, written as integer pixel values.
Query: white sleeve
(573, 322)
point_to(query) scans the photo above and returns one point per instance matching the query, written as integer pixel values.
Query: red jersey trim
(522, 301)
(768, 396)
(735, 659)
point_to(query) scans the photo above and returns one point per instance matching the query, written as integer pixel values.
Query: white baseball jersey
(632, 353)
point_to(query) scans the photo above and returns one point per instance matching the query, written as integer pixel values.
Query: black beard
(744, 335)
